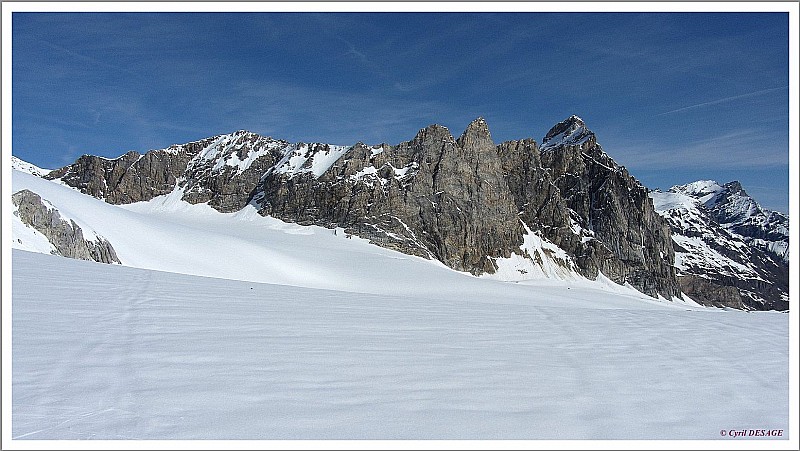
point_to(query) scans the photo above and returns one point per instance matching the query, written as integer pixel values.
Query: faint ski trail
(65, 422)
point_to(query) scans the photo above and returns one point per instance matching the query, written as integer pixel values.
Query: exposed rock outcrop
(129, 178)
(221, 170)
(709, 293)
(431, 196)
(65, 236)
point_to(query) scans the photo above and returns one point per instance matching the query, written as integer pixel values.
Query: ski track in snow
(110, 352)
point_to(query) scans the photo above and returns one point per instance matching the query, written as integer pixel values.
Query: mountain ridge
(467, 202)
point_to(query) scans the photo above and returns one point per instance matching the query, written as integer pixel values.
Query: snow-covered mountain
(514, 211)
(242, 326)
(239, 325)
(737, 212)
(728, 249)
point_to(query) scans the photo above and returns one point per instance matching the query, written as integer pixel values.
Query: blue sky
(674, 97)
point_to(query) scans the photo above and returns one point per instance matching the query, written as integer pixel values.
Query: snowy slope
(237, 150)
(24, 166)
(315, 158)
(240, 149)
(739, 213)
(111, 352)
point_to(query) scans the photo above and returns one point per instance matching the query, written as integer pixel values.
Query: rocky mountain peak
(476, 135)
(735, 187)
(434, 132)
(567, 133)
(712, 193)
(698, 189)
(477, 126)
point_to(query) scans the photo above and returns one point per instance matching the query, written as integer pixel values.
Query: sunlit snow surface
(111, 352)
(352, 341)
(24, 166)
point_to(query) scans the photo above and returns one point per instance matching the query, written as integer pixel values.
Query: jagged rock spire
(477, 135)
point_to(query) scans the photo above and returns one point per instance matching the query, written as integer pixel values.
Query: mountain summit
(567, 133)
(477, 134)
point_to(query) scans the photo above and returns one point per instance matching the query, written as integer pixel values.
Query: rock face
(467, 202)
(65, 236)
(432, 196)
(711, 293)
(221, 170)
(725, 243)
(738, 213)
(593, 209)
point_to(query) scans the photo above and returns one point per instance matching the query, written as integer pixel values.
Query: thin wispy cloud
(338, 117)
(87, 58)
(742, 149)
(374, 67)
(54, 120)
(723, 100)
(351, 50)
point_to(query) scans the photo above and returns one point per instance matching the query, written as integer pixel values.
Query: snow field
(110, 352)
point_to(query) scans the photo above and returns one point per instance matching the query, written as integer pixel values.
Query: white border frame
(794, 189)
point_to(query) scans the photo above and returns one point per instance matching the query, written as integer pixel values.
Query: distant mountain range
(516, 209)
(729, 251)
